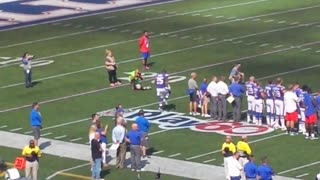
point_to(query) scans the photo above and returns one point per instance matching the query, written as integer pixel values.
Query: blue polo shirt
(103, 138)
(35, 118)
(143, 124)
(307, 100)
(134, 137)
(236, 89)
(265, 172)
(317, 99)
(250, 170)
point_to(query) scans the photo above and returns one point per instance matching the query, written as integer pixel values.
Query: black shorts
(193, 97)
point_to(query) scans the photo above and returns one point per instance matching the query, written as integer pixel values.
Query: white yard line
(184, 71)
(109, 17)
(16, 129)
(306, 49)
(281, 22)
(133, 22)
(65, 170)
(174, 155)
(299, 167)
(278, 46)
(302, 175)
(256, 19)
(76, 139)
(263, 45)
(4, 126)
(46, 134)
(210, 160)
(89, 69)
(318, 51)
(251, 43)
(219, 150)
(157, 152)
(60, 137)
(267, 21)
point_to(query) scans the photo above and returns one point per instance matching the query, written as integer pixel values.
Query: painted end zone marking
(174, 155)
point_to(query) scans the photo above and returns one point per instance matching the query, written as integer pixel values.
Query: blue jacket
(35, 118)
(236, 89)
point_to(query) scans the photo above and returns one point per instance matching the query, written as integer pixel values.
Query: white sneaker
(283, 129)
(307, 137)
(207, 115)
(196, 114)
(202, 115)
(133, 170)
(190, 113)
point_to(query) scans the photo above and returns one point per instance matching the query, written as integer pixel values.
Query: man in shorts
(143, 126)
(36, 122)
(291, 109)
(192, 92)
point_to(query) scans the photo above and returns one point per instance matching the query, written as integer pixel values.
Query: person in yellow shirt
(134, 78)
(228, 149)
(32, 154)
(244, 151)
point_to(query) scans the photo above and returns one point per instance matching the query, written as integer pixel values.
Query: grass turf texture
(203, 37)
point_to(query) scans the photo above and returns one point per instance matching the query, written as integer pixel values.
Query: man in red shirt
(144, 49)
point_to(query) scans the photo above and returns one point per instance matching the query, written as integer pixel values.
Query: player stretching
(163, 89)
(144, 49)
(250, 99)
(258, 103)
(278, 94)
(268, 90)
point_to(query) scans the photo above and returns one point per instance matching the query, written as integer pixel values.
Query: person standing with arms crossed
(145, 49)
(118, 137)
(250, 169)
(223, 91)
(192, 92)
(134, 139)
(36, 122)
(143, 126)
(234, 167)
(236, 90)
(111, 67)
(32, 154)
(227, 150)
(27, 66)
(264, 171)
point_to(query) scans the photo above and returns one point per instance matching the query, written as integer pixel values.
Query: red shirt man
(144, 49)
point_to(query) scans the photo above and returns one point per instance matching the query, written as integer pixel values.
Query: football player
(250, 99)
(163, 88)
(278, 94)
(268, 91)
(258, 103)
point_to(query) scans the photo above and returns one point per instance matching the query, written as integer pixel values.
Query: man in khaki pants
(32, 154)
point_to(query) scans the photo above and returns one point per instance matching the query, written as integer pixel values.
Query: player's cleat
(207, 115)
(146, 67)
(190, 113)
(196, 114)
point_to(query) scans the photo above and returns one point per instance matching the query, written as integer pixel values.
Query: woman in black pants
(111, 67)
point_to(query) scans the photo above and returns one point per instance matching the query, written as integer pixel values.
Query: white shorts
(302, 114)
(161, 92)
(270, 105)
(258, 105)
(279, 107)
(250, 100)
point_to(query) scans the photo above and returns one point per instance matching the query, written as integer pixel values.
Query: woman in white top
(111, 67)
(92, 131)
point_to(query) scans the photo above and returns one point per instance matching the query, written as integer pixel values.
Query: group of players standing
(293, 109)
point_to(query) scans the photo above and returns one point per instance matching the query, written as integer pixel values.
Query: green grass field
(271, 38)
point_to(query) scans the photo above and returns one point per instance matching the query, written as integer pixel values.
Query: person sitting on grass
(135, 77)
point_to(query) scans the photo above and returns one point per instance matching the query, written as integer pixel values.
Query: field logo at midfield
(176, 120)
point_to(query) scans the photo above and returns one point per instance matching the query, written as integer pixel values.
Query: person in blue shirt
(317, 101)
(236, 90)
(310, 113)
(36, 122)
(204, 100)
(250, 169)
(264, 171)
(134, 139)
(103, 141)
(143, 126)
